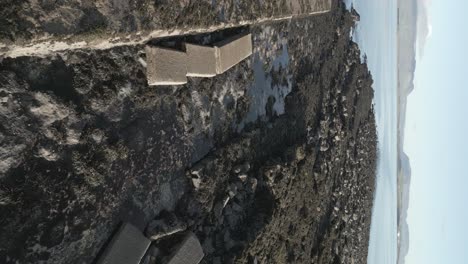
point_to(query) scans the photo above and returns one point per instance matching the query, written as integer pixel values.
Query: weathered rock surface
(71, 17)
(275, 145)
(31, 27)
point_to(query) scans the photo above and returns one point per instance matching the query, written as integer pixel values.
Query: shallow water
(376, 36)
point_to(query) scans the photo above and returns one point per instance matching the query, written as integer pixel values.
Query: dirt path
(49, 30)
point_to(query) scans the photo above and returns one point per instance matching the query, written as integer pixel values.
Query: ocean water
(376, 35)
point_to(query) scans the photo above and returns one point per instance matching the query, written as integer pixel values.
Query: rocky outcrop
(272, 161)
(41, 28)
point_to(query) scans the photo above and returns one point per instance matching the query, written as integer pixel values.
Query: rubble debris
(243, 177)
(243, 168)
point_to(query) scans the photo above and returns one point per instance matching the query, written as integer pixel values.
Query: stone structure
(128, 246)
(189, 251)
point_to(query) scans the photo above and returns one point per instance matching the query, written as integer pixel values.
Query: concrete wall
(128, 246)
(189, 252)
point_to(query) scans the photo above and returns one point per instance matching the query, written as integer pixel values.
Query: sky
(424, 26)
(436, 140)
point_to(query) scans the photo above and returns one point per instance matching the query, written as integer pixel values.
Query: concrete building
(128, 246)
(189, 251)
(171, 67)
(202, 60)
(165, 66)
(231, 51)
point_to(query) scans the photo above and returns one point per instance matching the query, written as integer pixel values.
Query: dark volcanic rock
(22, 20)
(271, 161)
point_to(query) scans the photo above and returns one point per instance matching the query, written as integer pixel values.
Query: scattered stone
(243, 177)
(323, 148)
(237, 169)
(98, 136)
(345, 218)
(253, 184)
(300, 153)
(243, 168)
(196, 176)
(196, 182)
(47, 154)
